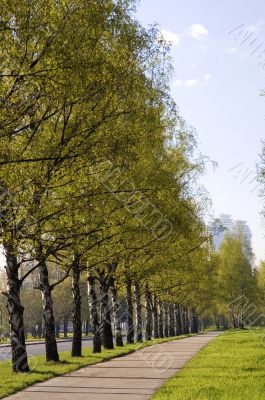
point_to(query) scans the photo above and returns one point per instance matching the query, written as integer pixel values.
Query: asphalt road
(35, 349)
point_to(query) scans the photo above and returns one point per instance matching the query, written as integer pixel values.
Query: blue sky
(217, 83)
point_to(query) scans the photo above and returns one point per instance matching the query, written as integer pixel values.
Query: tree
(236, 277)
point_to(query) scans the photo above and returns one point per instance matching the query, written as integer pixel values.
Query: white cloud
(193, 82)
(202, 47)
(231, 50)
(187, 83)
(255, 27)
(236, 52)
(197, 31)
(171, 37)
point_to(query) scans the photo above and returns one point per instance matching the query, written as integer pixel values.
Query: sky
(218, 51)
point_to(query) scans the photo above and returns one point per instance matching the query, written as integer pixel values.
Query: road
(35, 349)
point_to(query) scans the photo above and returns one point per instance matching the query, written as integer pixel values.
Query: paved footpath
(135, 376)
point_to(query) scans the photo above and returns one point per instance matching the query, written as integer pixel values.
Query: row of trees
(98, 176)
(236, 299)
(102, 217)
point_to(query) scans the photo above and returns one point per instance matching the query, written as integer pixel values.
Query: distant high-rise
(245, 229)
(225, 224)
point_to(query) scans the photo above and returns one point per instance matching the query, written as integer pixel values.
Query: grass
(232, 367)
(41, 370)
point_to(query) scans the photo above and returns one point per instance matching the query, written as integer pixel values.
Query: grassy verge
(232, 367)
(41, 370)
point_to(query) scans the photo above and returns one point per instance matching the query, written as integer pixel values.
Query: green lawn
(10, 382)
(232, 367)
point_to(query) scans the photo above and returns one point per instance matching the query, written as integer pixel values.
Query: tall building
(225, 224)
(222, 225)
(245, 229)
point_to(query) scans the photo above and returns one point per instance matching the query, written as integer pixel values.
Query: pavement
(135, 376)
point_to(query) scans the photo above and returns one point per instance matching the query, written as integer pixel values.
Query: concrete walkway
(135, 376)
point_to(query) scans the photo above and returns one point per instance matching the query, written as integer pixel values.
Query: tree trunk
(130, 331)
(116, 314)
(194, 322)
(241, 318)
(33, 332)
(39, 330)
(106, 331)
(156, 322)
(57, 329)
(148, 300)
(161, 319)
(77, 321)
(139, 322)
(47, 304)
(178, 321)
(186, 328)
(92, 296)
(217, 321)
(166, 321)
(182, 316)
(224, 322)
(233, 320)
(65, 327)
(15, 312)
(86, 327)
(171, 321)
